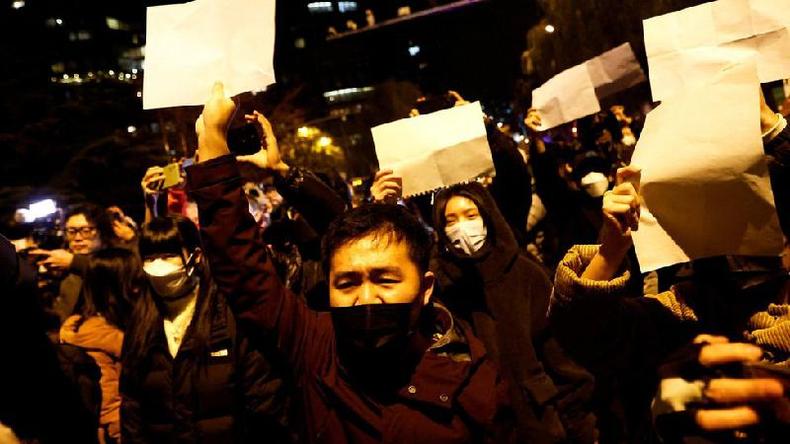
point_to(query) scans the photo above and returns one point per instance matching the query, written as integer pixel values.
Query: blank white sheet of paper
(435, 150)
(689, 47)
(704, 183)
(190, 46)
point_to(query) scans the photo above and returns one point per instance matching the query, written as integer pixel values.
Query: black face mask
(372, 340)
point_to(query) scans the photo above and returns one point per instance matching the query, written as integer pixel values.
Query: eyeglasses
(86, 232)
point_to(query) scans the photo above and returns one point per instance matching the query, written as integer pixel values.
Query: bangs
(160, 237)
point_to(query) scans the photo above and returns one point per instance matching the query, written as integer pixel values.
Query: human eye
(345, 283)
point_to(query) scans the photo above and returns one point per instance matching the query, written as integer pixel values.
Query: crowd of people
(509, 309)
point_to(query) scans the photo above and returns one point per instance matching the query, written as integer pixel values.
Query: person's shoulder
(531, 268)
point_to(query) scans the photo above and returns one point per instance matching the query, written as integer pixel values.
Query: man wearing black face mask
(385, 365)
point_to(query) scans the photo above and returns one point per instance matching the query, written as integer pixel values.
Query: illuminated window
(114, 23)
(347, 6)
(320, 7)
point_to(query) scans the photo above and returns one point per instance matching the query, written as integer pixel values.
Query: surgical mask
(595, 184)
(467, 236)
(372, 339)
(168, 280)
(629, 140)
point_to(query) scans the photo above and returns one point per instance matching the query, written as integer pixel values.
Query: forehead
(77, 220)
(458, 204)
(372, 252)
(165, 256)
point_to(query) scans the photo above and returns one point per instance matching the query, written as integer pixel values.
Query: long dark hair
(113, 281)
(169, 235)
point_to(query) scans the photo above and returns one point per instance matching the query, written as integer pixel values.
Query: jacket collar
(438, 379)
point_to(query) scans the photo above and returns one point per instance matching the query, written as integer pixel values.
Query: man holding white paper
(726, 295)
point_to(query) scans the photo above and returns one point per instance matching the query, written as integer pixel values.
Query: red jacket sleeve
(245, 274)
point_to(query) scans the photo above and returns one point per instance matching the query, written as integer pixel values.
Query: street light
(550, 28)
(18, 4)
(324, 141)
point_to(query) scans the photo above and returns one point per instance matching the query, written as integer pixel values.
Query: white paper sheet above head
(190, 46)
(689, 47)
(435, 150)
(568, 96)
(704, 182)
(614, 71)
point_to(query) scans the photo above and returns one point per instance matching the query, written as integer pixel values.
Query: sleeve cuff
(212, 172)
(777, 129)
(569, 286)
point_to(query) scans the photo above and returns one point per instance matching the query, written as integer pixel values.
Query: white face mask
(595, 184)
(467, 236)
(168, 280)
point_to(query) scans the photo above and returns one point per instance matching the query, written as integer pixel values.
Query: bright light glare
(414, 50)
(324, 141)
(42, 208)
(131, 129)
(59, 21)
(18, 4)
(549, 28)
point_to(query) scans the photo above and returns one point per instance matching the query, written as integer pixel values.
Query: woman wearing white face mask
(188, 375)
(487, 280)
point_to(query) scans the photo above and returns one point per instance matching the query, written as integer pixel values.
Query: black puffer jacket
(231, 394)
(505, 296)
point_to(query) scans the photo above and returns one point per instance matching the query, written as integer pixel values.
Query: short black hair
(95, 215)
(392, 221)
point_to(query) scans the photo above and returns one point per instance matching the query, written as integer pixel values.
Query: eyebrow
(375, 270)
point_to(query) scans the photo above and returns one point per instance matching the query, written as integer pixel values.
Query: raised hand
(268, 158)
(153, 180)
(621, 209)
(387, 187)
(212, 125)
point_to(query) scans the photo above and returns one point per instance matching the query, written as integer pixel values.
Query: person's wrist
(213, 144)
(768, 120)
(614, 251)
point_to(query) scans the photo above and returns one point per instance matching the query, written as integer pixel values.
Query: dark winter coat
(505, 296)
(232, 395)
(47, 396)
(452, 396)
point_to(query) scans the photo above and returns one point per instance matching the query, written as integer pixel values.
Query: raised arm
(239, 263)
(302, 189)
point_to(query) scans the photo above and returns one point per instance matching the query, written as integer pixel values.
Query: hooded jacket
(505, 296)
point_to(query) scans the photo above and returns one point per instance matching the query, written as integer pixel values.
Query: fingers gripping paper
(189, 46)
(689, 47)
(705, 185)
(435, 150)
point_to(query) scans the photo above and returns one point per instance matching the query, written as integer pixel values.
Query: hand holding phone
(153, 180)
